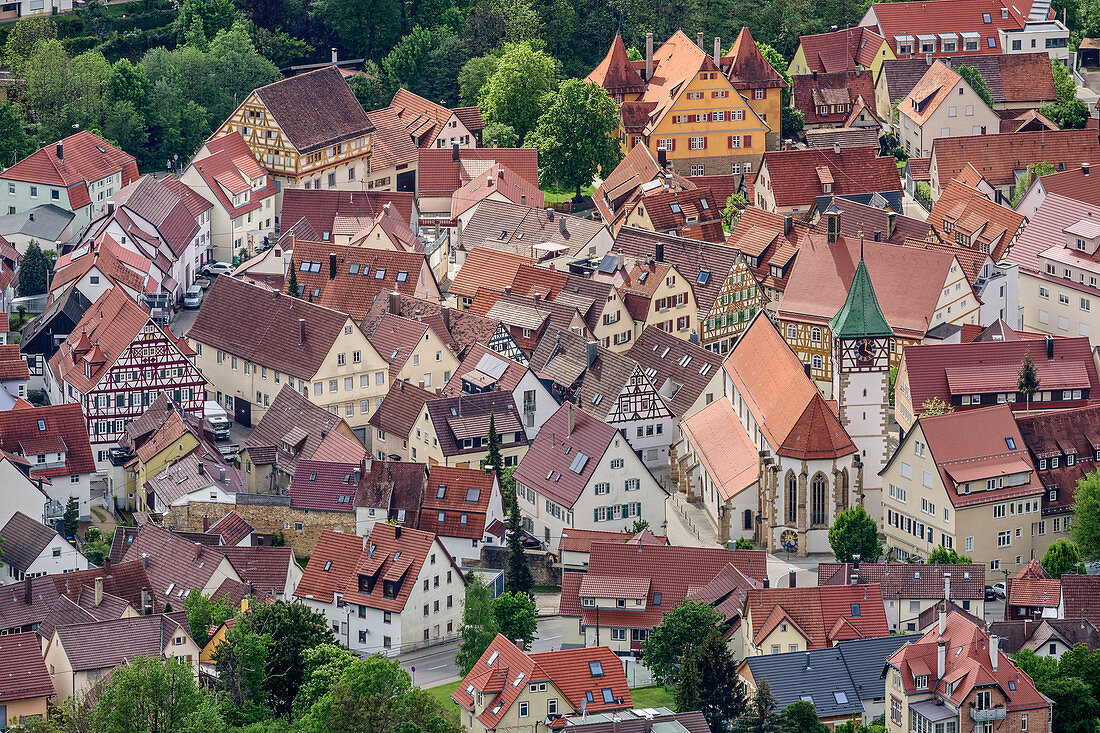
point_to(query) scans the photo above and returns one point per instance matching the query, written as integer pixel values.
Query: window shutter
(746, 141)
(673, 144)
(705, 141)
(729, 142)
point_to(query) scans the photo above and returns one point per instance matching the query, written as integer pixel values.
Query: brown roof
(467, 416)
(795, 182)
(294, 421)
(694, 214)
(456, 501)
(400, 409)
(393, 486)
(24, 540)
(20, 434)
(1081, 596)
(265, 568)
(991, 228)
(123, 580)
(748, 69)
(438, 174)
(163, 207)
(846, 137)
(395, 338)
(909, 582)
(792, 414)
(824, 614)
(838, 88)
(320, 207)
(841, 49)
(615, 73)
(23, 674)
(678, 369)
(108, 644)
(928, 93)
(574, 539)
(526, 227)
(232, 528)
(871, 222)
(486, 268)
(1054, 433)
(997, 157)
(315, 109)
(481, 362)
(555, 452)
(274, 340)
(175, 565)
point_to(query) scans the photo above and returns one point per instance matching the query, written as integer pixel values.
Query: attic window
(608, 695)
(807, 698)
(503, 235)
(596, 668)
(855, 609)
(657, 599)
(366, 270)
(841, 698)
(588, 696)
(703, 203)
(41, 426)
(1011, 443)
(578, 463)
(441, 491)
(353, 269)
(1012, 685)
(402, 276)
(473, 495)
(379, 274)
(100, 148)
(492, 658)
(703, 277)
(313, 476)
(675, 207)
(519, 678)
(325, 235)
(317, 292)
(328, 565)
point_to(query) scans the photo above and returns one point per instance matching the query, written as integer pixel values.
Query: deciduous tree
(679, 629)
(1063, 556)
(709, 682)
(478, 627)
(515, 616)
(855, 533)
(942, 556)
(515, 93)
(1027, 381)
(204, 613)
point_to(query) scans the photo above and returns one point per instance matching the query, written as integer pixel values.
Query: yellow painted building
(174, 440)
(308, 131)
(706, 114)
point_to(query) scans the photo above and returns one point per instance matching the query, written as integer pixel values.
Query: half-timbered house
(115, 363)
(308, 130)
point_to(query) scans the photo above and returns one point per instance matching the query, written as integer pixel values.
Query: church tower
(862, 342)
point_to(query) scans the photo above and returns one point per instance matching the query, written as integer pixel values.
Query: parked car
(990, 594)
(217, 268)
(999, 589)
(202, 282)
(193, 297)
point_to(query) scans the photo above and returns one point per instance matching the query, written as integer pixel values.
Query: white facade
(19, 494)
(531, 393)
(19, 196)
(1047, 35)
(962, 112)
(58, 557)
(625, 485)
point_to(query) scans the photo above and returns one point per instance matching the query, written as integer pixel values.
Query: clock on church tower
(861, 335)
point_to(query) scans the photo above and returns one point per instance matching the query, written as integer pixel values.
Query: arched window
(819, 490)
(748, 519)
(815, 334)
(792, 498)
(842, 486)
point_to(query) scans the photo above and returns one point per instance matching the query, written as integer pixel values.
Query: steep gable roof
(824, 614)
(795, 181)
(991, 227)
(85, 158)
(24, 540)
(294, 428)
(748, 69)
(486, 268)
(841, 49)
(998, 157)
(615, 73)
(400, 409)
(838, 90)
(108, 644)
(860, 316)
(439, 174)
(928, 93)
(315, 109)
(679, 369)
(554, 465)
(23, 674)
(38, 430)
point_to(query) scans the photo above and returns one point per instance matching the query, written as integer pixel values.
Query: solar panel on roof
(608, 264)
(579, 461)
(491, 365)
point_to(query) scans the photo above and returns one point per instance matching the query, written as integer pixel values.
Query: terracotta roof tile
(573, 672)
(555, 449)
(323, 485)
(86, 159)
(232, 528)
(467, 416)
(851, 83)
(321, 206)
(290, 411)
(466, 496)
(748, 69)
(23, 674)
(20, 434)
(439, 175)
(956, 16)
(854, 170)
(265, 568)
(997, 226)
(231, 165)
(615, 73)
(1081, 596)
(819, 611)
(997, 157)
(315, 109)
(574, 539)
(906, 581)
(486, 268)
(1050, 433)
(841, 49)
(729, 456)
(400, 408)
(846, 137)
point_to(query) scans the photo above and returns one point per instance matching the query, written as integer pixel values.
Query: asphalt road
(436, 665)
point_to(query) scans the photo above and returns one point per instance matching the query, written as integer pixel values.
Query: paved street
(436, 665)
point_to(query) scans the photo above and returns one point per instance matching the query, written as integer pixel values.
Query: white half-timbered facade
(502, 343)
(115, 363)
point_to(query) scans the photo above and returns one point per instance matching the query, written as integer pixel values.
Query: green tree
(801, 716)
(367, 87)
(241, 664)
(490, 23)
(639, 525)
(14, 141)
(375, 695)
(855, 533)
(1075, 708)
(515, 93)
(293, 289)
(324, 665)
(151, 695)
(577, 136)
(517, 574)
(935, 406)
(72, 517)
(493, 459)
(760, 715)
(124, 126)
(792, 122)
(679, 629)
(96, 547)
(1032, 172)
(1086, 516)
(778, 63)
(1062, 557)
(743, 544)
(1071, 115)
(709, 683)
(503, 135)
(974, 78)
(363, 29)
(731, 212)
(407, 65)
(515, 616)
(472, 79)
(1027, 381)
(1065, 88)
(213, 15)
(277, 46)
(204, 613)
(24, 38)
(127, 82)
(478, 627)
(942, 556)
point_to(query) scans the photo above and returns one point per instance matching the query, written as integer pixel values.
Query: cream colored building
(942, 104)
(452, 431)
(963, 481)
(415, 352)
(318, 351)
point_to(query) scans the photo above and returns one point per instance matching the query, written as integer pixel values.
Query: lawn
(653, 696)
(99, 514)
(442, 694)
(557, 194)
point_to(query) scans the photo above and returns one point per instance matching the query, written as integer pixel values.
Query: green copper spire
(860, 316)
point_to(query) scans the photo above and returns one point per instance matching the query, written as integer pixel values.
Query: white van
(218, 418)
(193, 297)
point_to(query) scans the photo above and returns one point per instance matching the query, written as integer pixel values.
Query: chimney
(111, 206)
(290, 241)
(891, 223)
(648, 57)
(549, 215)
(99, 590)
(146, 605)
(660, 251)
(145, 559)
(943, 622)
(334, 55)
(198, 550)
(520, 645)
(941, 658)
(767, 583)
(27, 596)
(202, 472)
(994, 650)
(395, 303)
(878, 235)
(836, 148)
(60, 150)
(301, 331)
(331, 265)
(791, 578)
(853, 579)
(561, 225)
(947, 586)
(788, 224)
(397, 533)
(699, 39)
(1050, 347)
(718, 51)
(591, 351)
(572, 420)
(454, 152)
(787, 144)
(1085, 169)
(523, 199)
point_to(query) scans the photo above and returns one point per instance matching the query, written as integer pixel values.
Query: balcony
(982, 715)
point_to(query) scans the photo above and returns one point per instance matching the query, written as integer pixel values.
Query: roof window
(596, 668)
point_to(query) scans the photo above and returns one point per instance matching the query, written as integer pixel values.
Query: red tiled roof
(315, 109)
(747, 67)
(841, 49)
(986, 366)
(20, 434)
(763, 234)
(948, 16)
(697, 213)
(906, 581)
(615, 72)
(87, 158)
(231, 165)
(795, 182)
(574, 539)
(557, 451)
(466, 493)
(502, 672)
(819, 611)
(395, 338)
(439, 175)
(571, 671)
(323, 485)
(729, 456)
(791, 412)
(232, 528)
(12, 365)
(1051, 433)
(1081, 596)
(266, 568)
(498, 179)
(966, 665)
(966, 209)
(321, 206)
(486, 268)
(838, 88)
(997, 157)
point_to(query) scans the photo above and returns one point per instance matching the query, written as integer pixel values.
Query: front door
(242, 412)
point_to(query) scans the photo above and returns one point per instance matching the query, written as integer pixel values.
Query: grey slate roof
(24, 540)
(45, 222)
(835, 680)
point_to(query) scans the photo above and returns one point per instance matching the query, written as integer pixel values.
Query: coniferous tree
(292, 287)
(517, 576)
(1028, 380)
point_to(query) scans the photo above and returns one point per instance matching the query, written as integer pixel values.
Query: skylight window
(675, 207)
(704, 370)
(353, 269)
(579, 462)
(855, 609)
(841, 698)
(588, 696)
(519, 678)
(473, 495)
(608, 695)
(703, 277)
(328, 566)
(1011, 442)
(596, 668)
(366, 270)
(313, 476)
(503, 235)
(41, 426)
(597, 399)
(441, 491)
(379, 274)
(402, 276)
(685, 360)
(807, 698)
(492, 658)
(665, 352)
(704, 204)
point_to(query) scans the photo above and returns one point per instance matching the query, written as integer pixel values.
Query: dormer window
(921, 681)
(588, 602)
